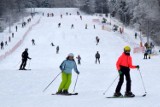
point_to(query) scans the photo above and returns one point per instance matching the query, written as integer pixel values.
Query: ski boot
(129, 94)
(117, 94)
(65, 92)
(59, 92)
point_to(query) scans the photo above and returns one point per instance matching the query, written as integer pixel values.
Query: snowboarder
(2, 45)
(59, 25)
(97, 57)
(66, 68)
(25, 57)
(72, 26)
(124, 63)
(57, 49)
(79, 59)
(33, 42)
(97, 40)
(136, 35)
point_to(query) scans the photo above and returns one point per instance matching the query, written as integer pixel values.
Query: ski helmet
(26, 49)
(127, 48)
(71, 54)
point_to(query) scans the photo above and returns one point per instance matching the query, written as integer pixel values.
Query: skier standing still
(66, 68)
(123, 65)
(97, 57)
(25, 57)
(79, 59)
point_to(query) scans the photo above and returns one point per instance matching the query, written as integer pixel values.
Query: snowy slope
(24, 88)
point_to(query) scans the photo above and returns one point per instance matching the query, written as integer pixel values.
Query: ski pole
(29, 64)
(75, 84)
(51, 82)
(142, 82)
(110, 85)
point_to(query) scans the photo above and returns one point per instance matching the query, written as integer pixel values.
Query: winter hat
(71, 54)
(127, 48)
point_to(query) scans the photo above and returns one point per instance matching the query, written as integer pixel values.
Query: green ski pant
(66, 82)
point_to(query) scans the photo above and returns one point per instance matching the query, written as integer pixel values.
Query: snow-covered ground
(24, 88)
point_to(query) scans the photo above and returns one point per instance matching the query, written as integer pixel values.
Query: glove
(137, 67)
(120, 72)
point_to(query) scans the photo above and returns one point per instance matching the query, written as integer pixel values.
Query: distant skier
(81, 17)
(52, 15)
(61, 16)
(97, 40)
(52, 44)
(79, 59)
(12, 35)
(59, 25)
(66, 68)
(6, 44)
(25, 57)
(33, 42)
(16, 28)
(86, 26)
(145, 54)
(9, 39)
(57, 49)
(124, 63)
(47, 14)
(97, 57)
(72, 26)
(136, 35)
(2, 45)
(94, 26)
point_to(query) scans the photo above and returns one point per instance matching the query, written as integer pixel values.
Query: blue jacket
(68, 65)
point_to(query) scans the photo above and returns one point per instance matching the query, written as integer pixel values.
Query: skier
(145, 54)
(136, 35)
(12, 35)
(124, 63)
(57, 49)
(72, 26)
(86, 26)
(52, 44)
(61, 16)
(2, 45)
(97, 40)
(16, 28)
(33, 42)
(81, 17)
(59, 25)
(25, 57)
(79, 59)
(94, 26)
(9, 39)
(97, 57)
(6, 44)
(66, 68)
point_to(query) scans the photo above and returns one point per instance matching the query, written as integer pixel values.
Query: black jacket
(25, 55)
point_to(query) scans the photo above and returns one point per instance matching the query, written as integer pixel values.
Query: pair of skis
(69, 94)
(127, 96)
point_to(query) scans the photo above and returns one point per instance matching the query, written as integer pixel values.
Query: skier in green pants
(66, 68)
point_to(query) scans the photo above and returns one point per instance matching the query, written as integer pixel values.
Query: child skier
(123, 65)
(66, 68)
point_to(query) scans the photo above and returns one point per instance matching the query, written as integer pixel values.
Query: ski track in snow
(24, 88)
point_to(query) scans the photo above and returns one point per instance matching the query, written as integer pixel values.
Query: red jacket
(124, 60)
